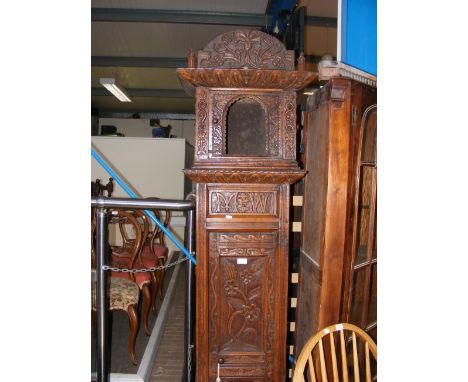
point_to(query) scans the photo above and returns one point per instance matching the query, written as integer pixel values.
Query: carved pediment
(246, 49)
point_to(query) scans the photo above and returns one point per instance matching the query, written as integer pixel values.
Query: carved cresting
(246, 49)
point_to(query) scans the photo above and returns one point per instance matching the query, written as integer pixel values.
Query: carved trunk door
(242, 304)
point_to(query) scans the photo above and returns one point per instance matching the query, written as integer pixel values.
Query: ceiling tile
(238, 6)
(151, 39)
(149, 78)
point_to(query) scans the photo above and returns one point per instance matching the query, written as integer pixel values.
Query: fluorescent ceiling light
(110, 84)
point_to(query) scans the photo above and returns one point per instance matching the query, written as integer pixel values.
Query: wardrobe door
(362, 294)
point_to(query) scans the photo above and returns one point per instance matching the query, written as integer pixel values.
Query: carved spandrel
(246, 49)
(237, 202)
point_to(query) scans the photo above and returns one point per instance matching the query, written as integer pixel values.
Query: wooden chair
(150, 255)
(97, 189)
(323, 362)
(155, 248)
(123, 295)
(128, 256)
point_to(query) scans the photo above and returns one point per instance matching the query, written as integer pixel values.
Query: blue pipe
(147, 212)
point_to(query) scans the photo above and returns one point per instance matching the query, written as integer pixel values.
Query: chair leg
(147, 307)
(133, 319)
(154, 291)
(161, 279)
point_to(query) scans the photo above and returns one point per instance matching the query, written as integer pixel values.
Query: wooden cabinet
(245, 161)
(337, 272)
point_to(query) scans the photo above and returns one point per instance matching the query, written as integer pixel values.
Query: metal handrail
(153, 203)
(150, 214)
(147, 203)
(102, 204)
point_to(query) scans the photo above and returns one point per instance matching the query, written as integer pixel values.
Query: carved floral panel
(237, 202)
(241, 298)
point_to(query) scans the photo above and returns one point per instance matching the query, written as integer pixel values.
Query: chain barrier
(141, 270)
(189, 362)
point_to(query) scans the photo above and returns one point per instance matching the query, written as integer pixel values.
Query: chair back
(124, 219)
(343, 356)
(157, 235)
(97, 189)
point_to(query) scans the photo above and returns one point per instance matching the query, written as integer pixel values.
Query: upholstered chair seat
(122, 293)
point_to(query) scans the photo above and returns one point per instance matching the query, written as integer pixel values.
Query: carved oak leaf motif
(242, 295)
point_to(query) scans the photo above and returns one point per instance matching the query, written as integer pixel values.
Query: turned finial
(301, 62)
(191, 59)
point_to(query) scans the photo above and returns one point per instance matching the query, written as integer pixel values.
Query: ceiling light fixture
(110, 84)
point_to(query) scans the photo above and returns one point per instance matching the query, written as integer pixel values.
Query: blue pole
(147, 212)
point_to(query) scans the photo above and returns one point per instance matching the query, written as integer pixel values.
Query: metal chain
(141, 270)
(189, 362)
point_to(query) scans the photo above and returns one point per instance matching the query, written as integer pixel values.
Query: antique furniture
(146, 258)
(127, 256)
(245, 160)
(123, 295)
(331, 353)
(337, 272)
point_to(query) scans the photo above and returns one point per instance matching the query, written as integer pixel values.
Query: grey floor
(169, 361)
(168, 364)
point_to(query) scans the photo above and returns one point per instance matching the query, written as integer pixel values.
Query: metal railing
(102, 205)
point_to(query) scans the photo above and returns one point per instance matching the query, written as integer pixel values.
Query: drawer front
(242, 304)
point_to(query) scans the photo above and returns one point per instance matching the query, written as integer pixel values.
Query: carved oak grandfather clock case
(245, 160)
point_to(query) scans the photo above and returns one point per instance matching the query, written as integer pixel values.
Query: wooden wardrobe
(338, 259)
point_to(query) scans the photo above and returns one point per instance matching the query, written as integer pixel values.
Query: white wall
(141, 127)
(149, 166)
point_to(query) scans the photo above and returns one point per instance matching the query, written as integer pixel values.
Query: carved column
(245, 161)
